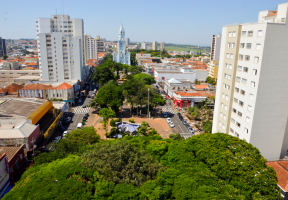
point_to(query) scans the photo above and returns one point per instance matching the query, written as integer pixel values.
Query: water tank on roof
(190, 66)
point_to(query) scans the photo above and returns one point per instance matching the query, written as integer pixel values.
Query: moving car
(65, 133)
(168, 120)
(79, 125)
(191, 130)
(171, 124)
(83, 106)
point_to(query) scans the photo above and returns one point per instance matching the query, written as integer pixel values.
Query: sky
(172, 21)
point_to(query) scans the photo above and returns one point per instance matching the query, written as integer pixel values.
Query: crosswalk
(168, 109)
(80, 110)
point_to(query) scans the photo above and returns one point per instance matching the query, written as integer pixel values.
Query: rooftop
(10, 151)
(19, 107)
(280, 167)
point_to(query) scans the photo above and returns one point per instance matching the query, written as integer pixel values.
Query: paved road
(179, 126)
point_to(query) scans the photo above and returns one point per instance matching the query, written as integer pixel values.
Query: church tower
(121, 56)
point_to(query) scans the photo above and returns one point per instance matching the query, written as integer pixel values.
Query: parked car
(168, 120)
(180, 117)
(68, 119)
(171, 124)
(86, 114)
(79, 101)
(165, 115)
(184, 122)
(57, 139)
(191, 130)
(89, 96)
(83, 106)
(79, 125)
(65, 133)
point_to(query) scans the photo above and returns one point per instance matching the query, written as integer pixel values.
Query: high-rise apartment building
(61, 48)
(143, 45)
(127, 41)
(215, 47)
(252, 81)
(213, 69)
(154, 45)
(162, 46)
(2, 47)
(92, 47)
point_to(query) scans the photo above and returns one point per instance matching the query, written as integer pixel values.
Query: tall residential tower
(252, 81)
(61, 48)
(154, 45)
(162, 46)
(2, 48)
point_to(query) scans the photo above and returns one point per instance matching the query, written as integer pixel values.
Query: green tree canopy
(146, 78)
(102, 74)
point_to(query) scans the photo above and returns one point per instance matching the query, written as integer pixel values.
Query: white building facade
(215, 47)
(143, 45)
(60, 48)
(252, 83)
(121, 56)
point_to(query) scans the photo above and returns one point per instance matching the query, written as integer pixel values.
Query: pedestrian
(166, 131)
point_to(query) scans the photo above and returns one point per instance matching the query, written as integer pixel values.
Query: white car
(65, 133)
(168, 120)
(171, 125)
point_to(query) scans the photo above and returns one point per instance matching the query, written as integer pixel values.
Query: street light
(148, 104)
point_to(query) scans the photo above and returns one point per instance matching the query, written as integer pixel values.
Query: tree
(133, 60)
(5, 57)
(158, 100)
(106, 113)
(121, 162)
(102, 75)
(109, 95)
(146, 78)
(176, 137)
(143, 129)
(187, 56)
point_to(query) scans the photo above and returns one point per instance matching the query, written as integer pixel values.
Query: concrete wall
(10, 75)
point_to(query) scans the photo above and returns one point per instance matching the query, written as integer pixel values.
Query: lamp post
(148, 104)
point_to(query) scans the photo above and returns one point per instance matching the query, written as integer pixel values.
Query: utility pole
(33, 142)
(148, 104)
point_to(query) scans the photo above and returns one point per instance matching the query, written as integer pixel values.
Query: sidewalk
(92, 119)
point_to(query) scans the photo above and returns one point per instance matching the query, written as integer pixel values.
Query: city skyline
(105, 22)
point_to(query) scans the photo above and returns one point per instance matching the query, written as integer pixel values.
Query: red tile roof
(12, 88)
(200, 86)
(272, 14)
(11, 151)
(37, 87)
(63, 86)
(282, 173)
(32, 64)
(194, 94)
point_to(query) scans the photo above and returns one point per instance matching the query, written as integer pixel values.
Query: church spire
(121, 31)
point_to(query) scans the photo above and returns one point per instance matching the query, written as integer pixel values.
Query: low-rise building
(16, 160)
(189, 99)
(11, 75)
(5, 185)
(10, 65)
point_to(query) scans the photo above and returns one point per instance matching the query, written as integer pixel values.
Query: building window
(242, 92)
(224, 117)
(223, 126)
(242, 45)
(239, 68)
(248, 120)
(234, 33)
(254, 72)
(234, 110)
(245, 69)
(221, 115)
(224, 85)
(229, 44)
(226, 108)
(223, 95)
(258, 46)
(249, 108)
(228, 87)
(246, 130)
(256, 59)
(236, 134)
(237, 89)
(235, 100)
(250, 33)
(251, 96)
(222, 105)
(228, 55)
(241, 57)
(230, 66)
(239, 114)
(226, 97)
(241, 103)
(230, 34)
(247, 58)
(233, 44)
(225, 76)
(282, 19)
(231, 130)
(244, 81)
(226, 66)
(248, 46)
(238, 79)
(231, 56)
(233, 120)
(220, 124)
(253, 84)
(260, 33)
(238, 124)
(243, 34)
(229, 77)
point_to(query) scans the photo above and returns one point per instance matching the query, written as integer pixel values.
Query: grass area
(172, 48)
